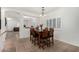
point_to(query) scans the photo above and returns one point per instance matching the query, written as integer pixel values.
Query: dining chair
(51, 35)
(44, 39)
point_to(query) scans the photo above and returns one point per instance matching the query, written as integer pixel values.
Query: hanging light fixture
(43, 11)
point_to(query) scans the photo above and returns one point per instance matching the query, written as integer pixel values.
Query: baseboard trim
(74, 44)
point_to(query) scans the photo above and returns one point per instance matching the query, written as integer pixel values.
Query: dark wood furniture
(16, 29)
(34, 35)
(51, 35)
(42, 38)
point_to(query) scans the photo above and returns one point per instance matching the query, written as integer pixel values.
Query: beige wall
(69, 31)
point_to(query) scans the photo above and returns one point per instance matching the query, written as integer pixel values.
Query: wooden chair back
(45, 33)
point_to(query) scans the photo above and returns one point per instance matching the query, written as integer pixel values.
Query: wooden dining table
(40, 37)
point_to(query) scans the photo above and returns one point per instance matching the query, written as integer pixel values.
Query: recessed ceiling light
(25, 16)
(43, 15)
(9, 18)
(40, 15)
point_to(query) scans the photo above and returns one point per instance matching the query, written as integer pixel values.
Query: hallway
(24, 45)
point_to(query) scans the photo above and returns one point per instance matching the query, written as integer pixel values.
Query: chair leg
(52, 41)
(32, 40)
(48, 42)
(30, 37)
(35, 41)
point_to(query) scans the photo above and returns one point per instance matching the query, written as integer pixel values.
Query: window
(54, 23)
(58, 22)
(48, 23)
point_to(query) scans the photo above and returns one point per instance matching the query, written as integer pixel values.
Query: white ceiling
(32, 10)
(36, 10)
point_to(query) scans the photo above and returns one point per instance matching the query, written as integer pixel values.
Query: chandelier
(43, 11)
